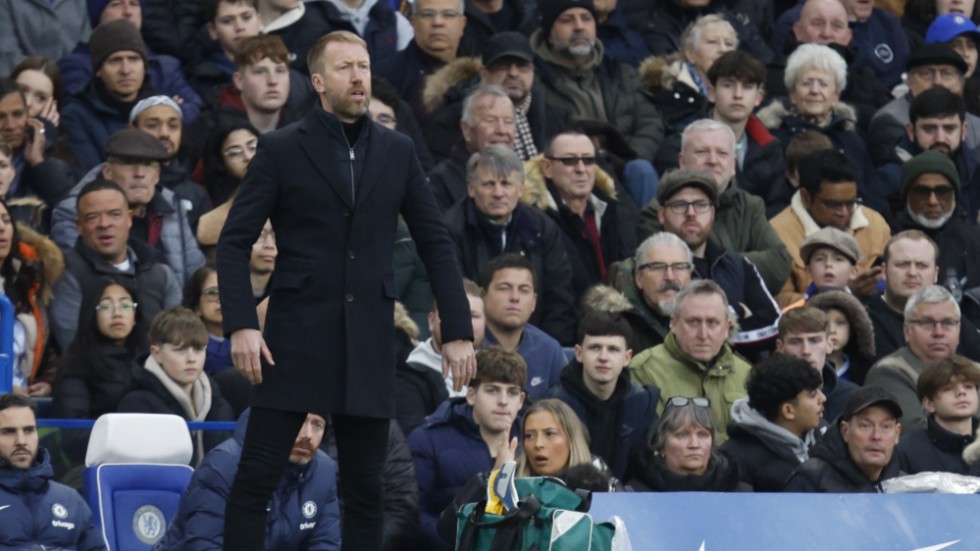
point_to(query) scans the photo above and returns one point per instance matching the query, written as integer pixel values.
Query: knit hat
(947, 27)
(130, 143)
(153, 101)
(680, 178)
(833, 238)
(552, 9)
(936, 54)
(115, 36)
(95, 9)
(929, 162)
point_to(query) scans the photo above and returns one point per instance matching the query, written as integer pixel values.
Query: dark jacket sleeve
(424, 456)
(803, 481)
(49, 180)
(558, 301)
(203, 504)
(401, 493)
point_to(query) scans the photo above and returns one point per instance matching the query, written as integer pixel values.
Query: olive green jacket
(670, 369)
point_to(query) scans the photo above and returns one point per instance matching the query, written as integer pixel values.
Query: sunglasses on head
(681, 401)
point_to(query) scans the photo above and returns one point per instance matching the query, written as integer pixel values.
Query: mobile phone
(30, 133)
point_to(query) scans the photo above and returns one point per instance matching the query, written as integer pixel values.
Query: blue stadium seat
(136, 473)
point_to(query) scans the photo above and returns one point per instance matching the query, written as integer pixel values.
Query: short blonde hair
(315, 56)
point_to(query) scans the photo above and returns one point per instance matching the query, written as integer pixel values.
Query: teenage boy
(773, 430)
(830, 258)
(803, 333)
(172, 379)
(597, 386)
(229, 22)
(462, 438)
(948, 391)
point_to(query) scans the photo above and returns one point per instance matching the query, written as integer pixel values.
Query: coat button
(351, 255)
(349, 297)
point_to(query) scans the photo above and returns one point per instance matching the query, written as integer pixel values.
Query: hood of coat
(457, 74)
(44, 250)
(773, 115)
(536, 192)
(862, 330)
(664, 72)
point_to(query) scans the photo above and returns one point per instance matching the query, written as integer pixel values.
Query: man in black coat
(857, 454)
(332, 186)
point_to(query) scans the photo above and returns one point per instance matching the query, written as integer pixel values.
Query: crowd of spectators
(708, 245)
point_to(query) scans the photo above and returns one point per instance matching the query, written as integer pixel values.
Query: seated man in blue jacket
(597, 386)
(38, 513)
(463, 436)
(303, 515)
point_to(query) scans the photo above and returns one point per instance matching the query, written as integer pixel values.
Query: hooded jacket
(741, 226)
(615, 425)
(766, 453)
(649, 328)
(600, 89)
(421, 387)
(668, 83)
(617, 237)
(675, 373)
(830, 469)
(795, 224)
(43, 514)
(860, 348)
(303, 515)
(934, 449)
(448, 451)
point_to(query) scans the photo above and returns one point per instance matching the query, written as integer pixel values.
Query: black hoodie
(830, 469)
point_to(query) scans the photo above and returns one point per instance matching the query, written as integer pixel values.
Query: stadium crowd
(708, 245)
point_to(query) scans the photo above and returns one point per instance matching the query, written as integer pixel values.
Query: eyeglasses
(923, 193)
(933, 73)
(571, 162)
(661, 267)
(210, 294)
(929, 323)
(267, 234)
(840, 205)
(385, 118)
(681, 401)
(113, 307)
(430, 15)
(701, 206)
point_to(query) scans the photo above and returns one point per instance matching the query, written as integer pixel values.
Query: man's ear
(711, 92)
(236, 78)
(910, 132)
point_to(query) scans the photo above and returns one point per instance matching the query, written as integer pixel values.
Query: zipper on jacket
(351, 174)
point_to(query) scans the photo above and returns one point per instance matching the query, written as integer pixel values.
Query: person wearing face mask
(304, 512)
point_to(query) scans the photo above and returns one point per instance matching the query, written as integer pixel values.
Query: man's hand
(246, 346)
(865, 283)
(34, 145)
(459, 359)
(506, 451)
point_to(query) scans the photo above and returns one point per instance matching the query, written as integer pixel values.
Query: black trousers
(362, 444)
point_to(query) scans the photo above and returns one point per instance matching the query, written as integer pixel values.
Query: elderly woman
(682, 456)
(678, 83)
(815, 78)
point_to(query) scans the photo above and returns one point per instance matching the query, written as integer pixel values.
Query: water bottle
(953, 284)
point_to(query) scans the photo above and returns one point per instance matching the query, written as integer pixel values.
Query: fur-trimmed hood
(776, 112)
(458, 72)
(536, 192)
(603, 298)
(404, 322)
(862, 330)
(51, 258)
(664, 72)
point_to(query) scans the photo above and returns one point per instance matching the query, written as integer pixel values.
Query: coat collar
(858, 219)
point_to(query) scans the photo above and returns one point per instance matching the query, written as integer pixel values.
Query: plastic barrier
(801, 522)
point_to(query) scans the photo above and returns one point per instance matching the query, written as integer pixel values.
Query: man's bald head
(823, 22)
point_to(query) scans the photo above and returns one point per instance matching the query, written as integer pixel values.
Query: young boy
(772, 430)
(803, 333)
(172, 378)
(948, 391)
(462, 437)
(830, 258)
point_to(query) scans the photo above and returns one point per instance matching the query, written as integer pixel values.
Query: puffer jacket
(650, 474)
(934, 449)
(43, 514)
(304, 513)
(668, 83)
(675, 373)
(617, 234)
(448, 451)
(830, 469)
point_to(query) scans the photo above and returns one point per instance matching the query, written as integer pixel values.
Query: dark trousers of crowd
(361, 446)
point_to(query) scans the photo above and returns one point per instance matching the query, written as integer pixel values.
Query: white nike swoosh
(937, 547)
(2, 507)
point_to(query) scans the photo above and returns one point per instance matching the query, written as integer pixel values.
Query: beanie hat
(153, 101)
(95, 9)
(929, 162)
(115, 36)
(552, 9)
